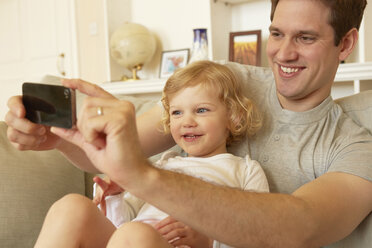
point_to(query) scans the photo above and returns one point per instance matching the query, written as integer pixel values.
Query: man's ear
(348, 43)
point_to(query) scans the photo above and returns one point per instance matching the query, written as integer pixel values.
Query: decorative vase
(200, 46)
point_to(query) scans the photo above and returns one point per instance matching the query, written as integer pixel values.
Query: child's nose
(189, 120)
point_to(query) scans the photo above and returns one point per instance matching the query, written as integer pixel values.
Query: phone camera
(66, 92)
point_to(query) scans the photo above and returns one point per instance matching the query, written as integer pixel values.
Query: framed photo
(245, 47)
(172, 60)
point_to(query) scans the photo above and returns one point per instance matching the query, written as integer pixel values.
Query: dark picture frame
(172, 60)
(245, 47)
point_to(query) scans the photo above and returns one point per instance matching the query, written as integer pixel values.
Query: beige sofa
(32, 181)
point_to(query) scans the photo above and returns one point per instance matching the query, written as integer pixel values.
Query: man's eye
(202, 110)
(274, 34)
(307, 39)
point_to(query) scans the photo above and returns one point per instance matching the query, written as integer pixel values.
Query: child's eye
(176, 112)
(202, 110)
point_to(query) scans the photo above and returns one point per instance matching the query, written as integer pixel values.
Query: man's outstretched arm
(318, 213)
(150, 130)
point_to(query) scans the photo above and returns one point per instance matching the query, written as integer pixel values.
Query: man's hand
(107, 133)
(106, 187)
(25, 135)
(178, 234)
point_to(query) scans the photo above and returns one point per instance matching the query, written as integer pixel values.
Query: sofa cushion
(359, 108)
(30, 183)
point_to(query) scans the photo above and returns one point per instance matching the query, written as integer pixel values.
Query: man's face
(302, 53)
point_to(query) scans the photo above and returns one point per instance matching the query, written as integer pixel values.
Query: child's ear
(348, 43)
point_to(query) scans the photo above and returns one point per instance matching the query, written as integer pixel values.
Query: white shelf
(234, 1)
(354, 72)
(135, 87)
(346, 72)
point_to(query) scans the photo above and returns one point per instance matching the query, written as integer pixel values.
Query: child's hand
(178, 234)
(106, 188)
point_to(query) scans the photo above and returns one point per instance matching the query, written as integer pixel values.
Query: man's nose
(287, 51)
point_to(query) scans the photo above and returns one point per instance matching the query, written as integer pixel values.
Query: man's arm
(152, 138)
(318, 213)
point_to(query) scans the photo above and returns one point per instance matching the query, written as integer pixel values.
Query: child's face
(199, 121)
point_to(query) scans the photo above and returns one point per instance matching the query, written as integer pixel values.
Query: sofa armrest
(359, 108)
(30, 183)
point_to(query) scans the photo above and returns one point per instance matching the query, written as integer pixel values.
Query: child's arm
(106, 188)
(179, 234)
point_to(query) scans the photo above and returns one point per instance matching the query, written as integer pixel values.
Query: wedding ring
(99, 111)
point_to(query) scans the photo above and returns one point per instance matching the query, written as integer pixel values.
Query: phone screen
(51, 105)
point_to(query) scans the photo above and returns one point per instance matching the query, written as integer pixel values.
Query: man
(316, 159)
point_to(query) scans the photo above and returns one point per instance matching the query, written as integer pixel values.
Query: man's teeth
(288, 69)
(190, 136)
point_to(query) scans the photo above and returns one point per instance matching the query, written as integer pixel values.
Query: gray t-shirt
(295, 148)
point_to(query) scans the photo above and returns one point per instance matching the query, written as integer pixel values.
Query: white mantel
(135, 87)
(354, 71)
(346, 72)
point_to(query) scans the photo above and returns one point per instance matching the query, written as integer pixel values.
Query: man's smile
(289, 71)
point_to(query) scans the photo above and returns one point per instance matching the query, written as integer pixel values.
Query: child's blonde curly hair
(244, 117)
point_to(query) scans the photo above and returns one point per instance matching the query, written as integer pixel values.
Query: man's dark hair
(344, 15)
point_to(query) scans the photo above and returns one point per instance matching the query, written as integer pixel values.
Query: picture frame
(245, 47)
(172, 60)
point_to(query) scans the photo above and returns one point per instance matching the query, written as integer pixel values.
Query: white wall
(91, 38)
(171, 21)
(251, 16)
(32, 36)
(221, 27)
(368, 33)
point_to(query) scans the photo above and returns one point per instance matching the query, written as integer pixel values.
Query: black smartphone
(51, 105)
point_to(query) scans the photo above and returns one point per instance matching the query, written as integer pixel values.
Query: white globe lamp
(132, 45)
